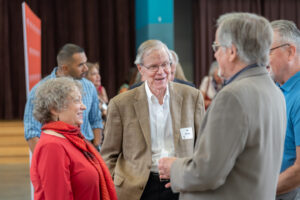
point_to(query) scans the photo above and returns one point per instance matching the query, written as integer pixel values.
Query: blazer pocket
(118, 180)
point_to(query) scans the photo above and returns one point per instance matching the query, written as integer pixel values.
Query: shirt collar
(53, 73)
(287, 86)
(226, 82)
(151, 96)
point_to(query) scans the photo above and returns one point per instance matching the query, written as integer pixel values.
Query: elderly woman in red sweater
(64, 165)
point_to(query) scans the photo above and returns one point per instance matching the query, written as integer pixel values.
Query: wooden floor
(14, 182)
(14, 162)
(13, 146)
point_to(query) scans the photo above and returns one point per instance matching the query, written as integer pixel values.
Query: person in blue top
(285, 69)
(71, 61)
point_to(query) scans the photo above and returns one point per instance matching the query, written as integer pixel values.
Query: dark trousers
(292, 195)
(155, 189)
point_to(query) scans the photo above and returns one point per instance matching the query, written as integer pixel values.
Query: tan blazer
(239, 153)
(127, 143)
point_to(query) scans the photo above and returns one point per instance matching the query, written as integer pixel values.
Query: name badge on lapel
(187, 133)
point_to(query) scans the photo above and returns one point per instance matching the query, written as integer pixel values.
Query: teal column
(154, 20)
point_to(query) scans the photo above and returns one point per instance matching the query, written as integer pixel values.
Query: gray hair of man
(251, 34)
(65, 54)
(213, 67)
(147, 47)
(175, 58)
(288, 32)
(53, 94)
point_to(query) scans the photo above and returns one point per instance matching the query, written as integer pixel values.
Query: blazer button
(142, 187)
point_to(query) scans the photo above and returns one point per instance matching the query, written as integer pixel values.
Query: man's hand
(97, 137)
(32, 142)
(289, 179)
(164, 167)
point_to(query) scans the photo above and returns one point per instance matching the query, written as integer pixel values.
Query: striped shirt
(91, 116)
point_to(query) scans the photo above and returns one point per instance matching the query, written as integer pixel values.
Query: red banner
(32, 47)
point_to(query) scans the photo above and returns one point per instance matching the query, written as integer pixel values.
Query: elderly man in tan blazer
(157, 119)
(238, 155)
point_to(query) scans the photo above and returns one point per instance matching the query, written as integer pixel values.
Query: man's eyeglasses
(215, 46)
(283, 45)
(154, 68)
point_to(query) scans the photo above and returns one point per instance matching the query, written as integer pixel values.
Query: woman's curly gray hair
(53, 94)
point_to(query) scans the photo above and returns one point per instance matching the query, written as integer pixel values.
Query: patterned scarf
(73, 134)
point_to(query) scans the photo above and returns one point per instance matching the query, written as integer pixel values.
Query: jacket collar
(253, 71)
(142, 110)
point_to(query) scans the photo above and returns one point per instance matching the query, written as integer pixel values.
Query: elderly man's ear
(292, 52)
(140, 69)
(233, 53)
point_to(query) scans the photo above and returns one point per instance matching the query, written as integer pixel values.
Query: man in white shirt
(160, 118)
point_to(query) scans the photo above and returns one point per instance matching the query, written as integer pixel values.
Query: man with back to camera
(239, 152)
(285, 67)
(157, 119)
(71, 61)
